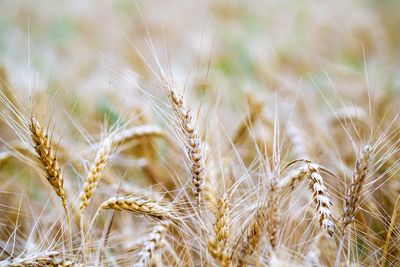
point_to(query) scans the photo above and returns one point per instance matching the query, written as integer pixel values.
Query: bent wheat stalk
(46, 155)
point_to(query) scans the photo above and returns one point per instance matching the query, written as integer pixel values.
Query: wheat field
(199, 133)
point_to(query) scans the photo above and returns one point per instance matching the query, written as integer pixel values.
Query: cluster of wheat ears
(290, 180)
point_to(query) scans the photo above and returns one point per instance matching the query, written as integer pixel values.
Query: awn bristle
(321, 198)
(154, 241)
(95, 172)
(218, 245)
(46, 155)
(194, 145)
(138, 205)
(252, 241)
(354, 191)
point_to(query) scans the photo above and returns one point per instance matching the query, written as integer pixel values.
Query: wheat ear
(51, 259)
(194, 145)
(46, 155)
(321, 198)
(136, 132)
(354, 191)
(218, 245)
(252, 241)
(139, 206)
(353, 194)
(273, 216)
(95, 172)
(154, 241)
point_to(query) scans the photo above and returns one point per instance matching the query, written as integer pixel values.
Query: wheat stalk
(46, 155)
(218, 245)
(140, 206)
(273, 216)
(95, 172)
(154, 241)
(136, 132)
(353, 194)
(354, 191)
(321, 198)
(252, 241)
(51, 259)
(193, 143)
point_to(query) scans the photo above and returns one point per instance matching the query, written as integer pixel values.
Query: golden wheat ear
(193, 142)
(139, 206)
(46, 155)
(217, 246)
(95, 172)
(253, 238)
(354, 191)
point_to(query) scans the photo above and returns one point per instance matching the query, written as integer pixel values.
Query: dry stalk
(218, 245)
(140, 206)
(46, 155)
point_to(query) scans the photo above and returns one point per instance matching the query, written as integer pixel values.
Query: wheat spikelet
(95, 172)
(153, 242)
(253, 238)
(138, 205)
(321, 198)
(136, 132)
(47, 157)
(51, 259)
(354, 191)
(218, 245)
(194, 145)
